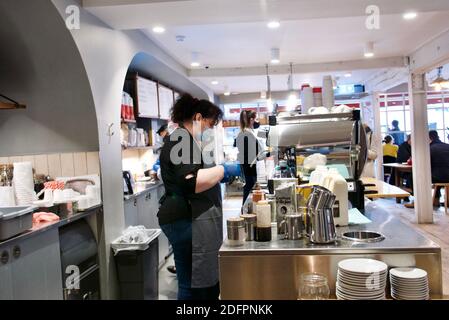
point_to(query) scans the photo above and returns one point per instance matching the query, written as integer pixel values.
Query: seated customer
(404, 154)
(390, 153)
(439, 162)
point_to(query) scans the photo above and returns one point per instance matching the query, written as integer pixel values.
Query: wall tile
(67, 165)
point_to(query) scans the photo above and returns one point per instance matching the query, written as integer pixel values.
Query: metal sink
(363, 236)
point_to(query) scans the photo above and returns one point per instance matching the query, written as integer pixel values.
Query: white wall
(106, 54)
(41, 67)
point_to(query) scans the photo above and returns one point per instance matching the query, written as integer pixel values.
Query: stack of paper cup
(328, 92)
(7, 198)
(307, 100)
(24, 183)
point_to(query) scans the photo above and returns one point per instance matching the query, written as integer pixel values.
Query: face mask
(256, 125)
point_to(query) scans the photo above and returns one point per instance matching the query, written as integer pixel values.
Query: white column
(420, 148)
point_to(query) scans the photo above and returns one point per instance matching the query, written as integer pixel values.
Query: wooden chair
(446, 193)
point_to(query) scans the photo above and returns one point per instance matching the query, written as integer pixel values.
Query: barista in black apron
(191, 209)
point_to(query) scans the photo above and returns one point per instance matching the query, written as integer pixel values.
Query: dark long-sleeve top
(439, 161)
(404, 152)
(181, 158)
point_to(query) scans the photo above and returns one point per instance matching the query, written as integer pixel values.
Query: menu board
(147, 98)
(165, 102)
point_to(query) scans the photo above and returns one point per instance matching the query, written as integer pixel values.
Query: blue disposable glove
(231, 169)
(157, 165)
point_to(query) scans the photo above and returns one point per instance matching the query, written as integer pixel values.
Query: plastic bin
(138, 268)
(15, 220)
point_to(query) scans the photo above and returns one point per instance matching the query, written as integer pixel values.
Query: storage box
(15, 220)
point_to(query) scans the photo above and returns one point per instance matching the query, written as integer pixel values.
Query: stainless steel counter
(398, 237)
(270, 270)
(45, 226)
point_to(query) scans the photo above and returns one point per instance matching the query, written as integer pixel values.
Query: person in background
(250, 149)
(390, 154)
(191, 214)
(395, 133)
(163, 133)
(404, 154)
(368, 170)
(439, 162)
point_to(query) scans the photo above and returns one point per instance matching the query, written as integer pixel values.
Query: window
(396, 107)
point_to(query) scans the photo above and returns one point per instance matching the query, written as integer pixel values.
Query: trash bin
(138, 266)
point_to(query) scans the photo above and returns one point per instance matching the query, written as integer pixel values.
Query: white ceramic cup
(48, 195)
(7, 198)
(58, 195)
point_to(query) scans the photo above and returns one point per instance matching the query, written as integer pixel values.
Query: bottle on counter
(263, 227)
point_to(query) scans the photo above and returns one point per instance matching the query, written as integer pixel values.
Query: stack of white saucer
(409, 284)
(361, 279)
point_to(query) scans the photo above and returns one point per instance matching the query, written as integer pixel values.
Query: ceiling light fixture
(348, 75)
(227, 92)
(195, 60)
(439, 82)
(273, 24)
(214, 82)
(158, 29)
(410, 15)
(369, 49)
(275, 56)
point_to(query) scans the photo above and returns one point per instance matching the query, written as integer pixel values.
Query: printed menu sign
(147, 98)
(165, 102)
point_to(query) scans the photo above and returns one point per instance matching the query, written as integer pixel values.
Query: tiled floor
(437, 232)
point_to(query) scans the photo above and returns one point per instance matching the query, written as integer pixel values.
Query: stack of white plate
(361, 279)
(409, 284)
(24, 183)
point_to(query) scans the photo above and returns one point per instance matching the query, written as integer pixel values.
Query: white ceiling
(233, 33)
(279, 82)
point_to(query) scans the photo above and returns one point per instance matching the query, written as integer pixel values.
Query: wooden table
(398, 168)
(383, 190)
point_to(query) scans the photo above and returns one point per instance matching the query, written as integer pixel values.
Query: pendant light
(269, 100)
(292, 99)
(439, 82)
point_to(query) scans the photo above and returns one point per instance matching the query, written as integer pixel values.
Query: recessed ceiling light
(195, 64)
(214, 82)
(348, 75)
(234, 93)
(158, 29)
(369, 54)
(410, 15)
(227, 93)
(273, 24)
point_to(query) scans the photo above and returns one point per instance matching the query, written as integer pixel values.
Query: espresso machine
(340, 137)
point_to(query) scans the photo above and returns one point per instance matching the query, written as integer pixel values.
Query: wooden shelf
(10, 106)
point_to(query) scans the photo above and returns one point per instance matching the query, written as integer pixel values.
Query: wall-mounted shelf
(128, 121)
(11, 104)
(138, 148)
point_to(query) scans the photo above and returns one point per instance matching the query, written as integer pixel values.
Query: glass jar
(313, 286)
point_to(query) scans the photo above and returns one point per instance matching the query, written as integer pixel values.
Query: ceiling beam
(431, 55)
(392, 62)
(386, 79)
